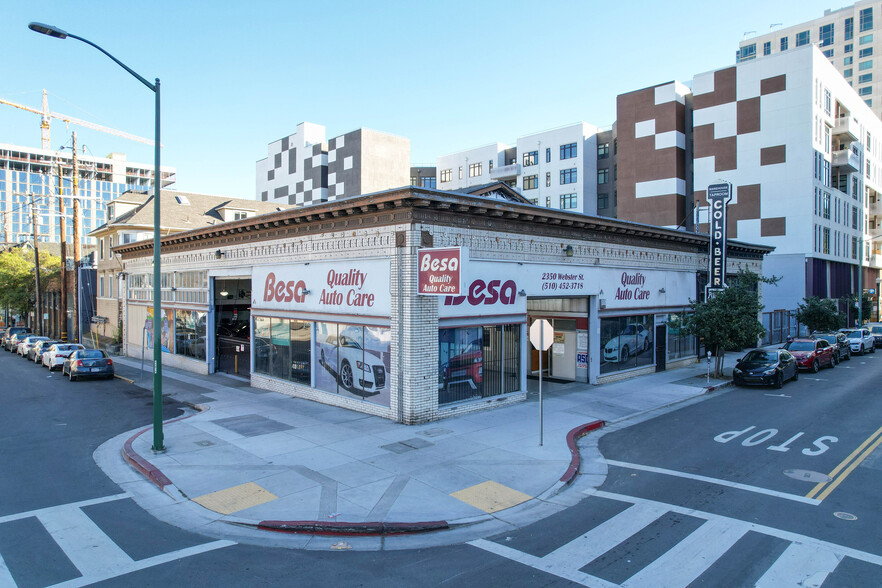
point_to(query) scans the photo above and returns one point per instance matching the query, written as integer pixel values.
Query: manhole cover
(845, 516)
(807, 476)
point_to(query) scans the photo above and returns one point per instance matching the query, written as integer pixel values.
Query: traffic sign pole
(539, 330)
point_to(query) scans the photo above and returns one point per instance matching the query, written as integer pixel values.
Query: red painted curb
(134, 459)
(344, 528)
(575, 459)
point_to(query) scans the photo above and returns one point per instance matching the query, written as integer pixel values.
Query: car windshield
(827, 338)
(854, 334)
(800, 346)
(629, 330)
(90, 354)
(759, 355)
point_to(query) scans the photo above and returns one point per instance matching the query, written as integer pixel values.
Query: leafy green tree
(729, 319)
(17, 277)
(866, 306)
(819, 314)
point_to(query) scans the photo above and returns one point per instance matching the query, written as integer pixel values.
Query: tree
(819, 315)
(730, 318)
(866, 309)
(17, 277)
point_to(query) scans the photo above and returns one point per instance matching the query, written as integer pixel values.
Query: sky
(449, 76)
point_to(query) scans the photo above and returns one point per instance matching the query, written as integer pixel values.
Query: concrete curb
(575, 459)
(147, 469)
(716, 387)
(350, 529)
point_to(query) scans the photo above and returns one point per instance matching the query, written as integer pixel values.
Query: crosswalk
(805, 561)
(87, 547)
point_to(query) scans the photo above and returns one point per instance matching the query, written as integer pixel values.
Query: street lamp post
(158, 444)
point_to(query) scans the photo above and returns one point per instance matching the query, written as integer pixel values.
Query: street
(731, 490)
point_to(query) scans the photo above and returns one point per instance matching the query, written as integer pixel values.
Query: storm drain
(406, 445)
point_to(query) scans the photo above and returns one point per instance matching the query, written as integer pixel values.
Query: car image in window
(356, 369)
(632, 340)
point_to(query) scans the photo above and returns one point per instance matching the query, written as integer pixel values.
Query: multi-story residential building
(554, 169)
(28, 174)
(130, 219)
(423, 176)
(846, 36)
(801, 149)
(303, 168)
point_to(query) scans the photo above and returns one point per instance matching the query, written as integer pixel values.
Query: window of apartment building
(568, 151)
(427, 182)
(568, 201)
(603, 176)
(865, 52)
(849, 29)
(865, 65)
(865, 91)
(866, 19)
(868, 101)
(825, 205)
(854, 248)
(535, 201)
(530, 158)
(548, 155)
(490, 165)
(101, 248)
(460, 172)
(568, 176)
(869, 144)
(446, 175)
(847, 73)
(849, 47)
(240, 216)
(547, 179)
(848, 61)
(784, 43)
(825, 35)
(863, 79)
(767, 48)
(602, 150)
(865, 39)
(548, 202)
(531, 182)
(803, 38)
(825, 247)
(602, 201)
(828, 102)
(828, 53)
(475, 169)
(747, 52)
(854, 188)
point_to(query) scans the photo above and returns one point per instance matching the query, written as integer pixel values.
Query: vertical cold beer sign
(718, 197)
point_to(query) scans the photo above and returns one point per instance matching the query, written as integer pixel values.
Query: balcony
(504, 172)
(846, 129)
(875, 208)
(847, 159)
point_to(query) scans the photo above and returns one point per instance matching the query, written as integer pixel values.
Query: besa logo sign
(283, 291)
(445, 261)
(481, 292)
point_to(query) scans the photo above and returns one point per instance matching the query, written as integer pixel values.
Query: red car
(812, 354)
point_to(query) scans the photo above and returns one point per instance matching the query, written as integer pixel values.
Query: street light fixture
(52, 31)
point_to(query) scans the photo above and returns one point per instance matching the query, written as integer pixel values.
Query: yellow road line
(843, 464)
(850, 468)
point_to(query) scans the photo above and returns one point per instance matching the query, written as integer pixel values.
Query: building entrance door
(661, 338)
(232, 303)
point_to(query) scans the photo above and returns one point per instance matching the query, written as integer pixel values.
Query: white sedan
(632, 340)
(57, 353)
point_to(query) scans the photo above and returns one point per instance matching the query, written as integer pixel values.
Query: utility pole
(76, 243)
(62, 331)
(38, 312)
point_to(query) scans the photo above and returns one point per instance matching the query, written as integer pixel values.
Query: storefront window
(478, 362)
(679, 343)
(300, 356)
(353, 361)
(190, 333)
(626, 342)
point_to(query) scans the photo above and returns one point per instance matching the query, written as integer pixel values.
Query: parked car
(842, 349)
(56, 354)
(10, 331)
(25, 345)
(766, 367)
(861, 340)
(36, 351)
(812, 354)
(87, 363)
(876, 330)
(15, 338)
(356, 368)
(633, 339)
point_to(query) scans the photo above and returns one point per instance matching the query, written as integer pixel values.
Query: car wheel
(346, 375)
(873, 348)
(795, 375)
(624, 354)
(833, 361)
(779, 381)
(70, 377)
(816, 367)
(861, 352)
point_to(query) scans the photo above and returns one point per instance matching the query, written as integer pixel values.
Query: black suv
(839, 341)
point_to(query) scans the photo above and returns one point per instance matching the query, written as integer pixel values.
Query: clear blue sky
(447, 75)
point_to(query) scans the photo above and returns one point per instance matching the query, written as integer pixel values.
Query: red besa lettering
(282, 291)
(481, 292)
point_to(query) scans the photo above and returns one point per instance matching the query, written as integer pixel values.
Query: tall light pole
(158, 444)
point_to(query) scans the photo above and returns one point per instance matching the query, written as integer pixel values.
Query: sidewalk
(263, 460)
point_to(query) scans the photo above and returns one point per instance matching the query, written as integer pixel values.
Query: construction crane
(45, 115)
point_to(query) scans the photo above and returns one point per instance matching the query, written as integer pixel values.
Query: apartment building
(28, 174)
(846, 36)
(305, 168)
(554, 169)
(801, 149)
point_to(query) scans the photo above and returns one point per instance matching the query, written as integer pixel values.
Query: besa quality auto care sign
(344, 287)
(439, 271)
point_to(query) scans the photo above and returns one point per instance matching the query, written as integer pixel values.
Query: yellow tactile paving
(491, 496)
(236, 498)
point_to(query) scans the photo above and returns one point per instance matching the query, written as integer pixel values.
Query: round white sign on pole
(541, 334)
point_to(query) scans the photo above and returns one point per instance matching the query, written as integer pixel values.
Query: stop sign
(541, 334)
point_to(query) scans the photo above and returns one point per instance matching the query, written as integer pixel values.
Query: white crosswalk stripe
(89, 549)
(806, 561)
